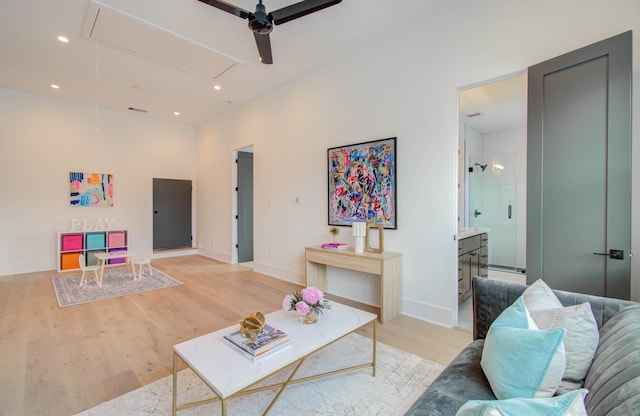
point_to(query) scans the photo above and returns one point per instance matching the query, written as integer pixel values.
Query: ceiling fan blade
(227, 7)
(303, 8)
(264, 48)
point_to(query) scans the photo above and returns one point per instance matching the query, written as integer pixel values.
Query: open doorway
(494, 118)
(492, 127)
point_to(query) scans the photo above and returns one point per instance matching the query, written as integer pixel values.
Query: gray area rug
(116, 282)
(400, 379)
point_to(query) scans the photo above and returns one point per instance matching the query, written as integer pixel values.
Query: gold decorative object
(251, 326)
(367, 239)
(334, 231)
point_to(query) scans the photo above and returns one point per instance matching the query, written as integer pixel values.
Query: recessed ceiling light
(217, 87)
(55, 86)
(176, 113)
(63, 39)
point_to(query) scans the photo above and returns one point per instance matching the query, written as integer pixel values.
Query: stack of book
(267, 342)
(335, 246)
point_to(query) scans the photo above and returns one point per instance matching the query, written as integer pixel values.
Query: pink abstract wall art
(90, 189)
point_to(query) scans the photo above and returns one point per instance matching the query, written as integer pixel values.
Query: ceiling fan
(261, 23)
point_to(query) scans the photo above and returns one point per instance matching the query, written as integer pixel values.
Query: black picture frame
(362, 183)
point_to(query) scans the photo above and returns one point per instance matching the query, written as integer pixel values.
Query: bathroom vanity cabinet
(473, 259)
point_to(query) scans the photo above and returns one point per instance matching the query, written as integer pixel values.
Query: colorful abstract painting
(362, 183)
(91, 189)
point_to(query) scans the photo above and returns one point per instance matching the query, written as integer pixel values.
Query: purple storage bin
(117, 261)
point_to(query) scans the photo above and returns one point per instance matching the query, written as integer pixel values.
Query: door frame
(461, 176)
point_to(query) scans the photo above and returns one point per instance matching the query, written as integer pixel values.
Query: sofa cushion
(569, 404)
(614, 376)
(518, 359)
(580, 342)
(462, 380)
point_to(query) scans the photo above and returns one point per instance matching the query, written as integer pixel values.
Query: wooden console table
(386, 265)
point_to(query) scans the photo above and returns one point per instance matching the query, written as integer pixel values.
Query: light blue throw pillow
(569, 404)
(519, 360)
(515, 316)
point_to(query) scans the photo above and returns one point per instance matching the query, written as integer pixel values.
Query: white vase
(359, 230)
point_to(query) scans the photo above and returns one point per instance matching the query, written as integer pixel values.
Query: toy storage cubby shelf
(71, 244)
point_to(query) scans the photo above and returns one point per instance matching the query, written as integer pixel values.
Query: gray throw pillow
(539, 296)
(580, 342)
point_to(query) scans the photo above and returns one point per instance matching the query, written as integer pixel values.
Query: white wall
(42, 140)
(403, 85)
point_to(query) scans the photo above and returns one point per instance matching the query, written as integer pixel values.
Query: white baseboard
(162, 254)
(436, 315)
(278, 273)
(216, 255)
(28, 267)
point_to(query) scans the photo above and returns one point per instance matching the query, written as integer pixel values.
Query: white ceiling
(495, 106)
(95, 73)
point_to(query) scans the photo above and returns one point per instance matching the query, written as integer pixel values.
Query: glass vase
(310, 318)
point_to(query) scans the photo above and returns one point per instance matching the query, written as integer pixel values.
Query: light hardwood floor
(60, 361)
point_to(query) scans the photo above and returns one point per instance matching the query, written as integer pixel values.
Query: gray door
(171, 213)
(579, 170)
(245, 207)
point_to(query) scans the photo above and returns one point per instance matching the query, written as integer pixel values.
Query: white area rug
(116, 282)
(400, 379)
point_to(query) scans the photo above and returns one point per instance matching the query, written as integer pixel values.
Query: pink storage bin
(117, 239)
(71, 242)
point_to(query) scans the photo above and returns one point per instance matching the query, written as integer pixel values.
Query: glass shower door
(493, 205)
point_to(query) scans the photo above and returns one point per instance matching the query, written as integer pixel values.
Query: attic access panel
(133, 35)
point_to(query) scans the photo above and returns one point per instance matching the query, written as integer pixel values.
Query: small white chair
(85, 269)
(141, 264)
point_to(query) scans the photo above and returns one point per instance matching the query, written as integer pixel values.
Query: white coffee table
(230, 375)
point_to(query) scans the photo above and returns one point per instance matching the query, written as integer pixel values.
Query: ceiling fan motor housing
(260, 22)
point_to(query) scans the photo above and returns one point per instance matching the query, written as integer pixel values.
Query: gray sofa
(613, 380)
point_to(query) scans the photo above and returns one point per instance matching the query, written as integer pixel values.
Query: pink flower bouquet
(309, 299)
